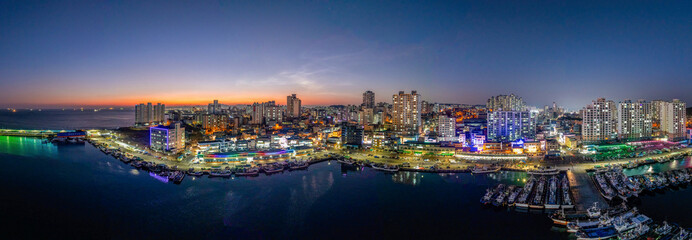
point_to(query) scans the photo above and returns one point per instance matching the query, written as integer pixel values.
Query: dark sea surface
(75, 191)
(67, 119)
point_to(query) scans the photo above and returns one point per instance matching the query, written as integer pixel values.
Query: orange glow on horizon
(196, 101)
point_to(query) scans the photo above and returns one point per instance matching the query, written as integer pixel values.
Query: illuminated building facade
(212, 123)
(351, 135)
(508, 126)
(406, 113)
(167, 138)
(446, 128)
(506, 103)
(634, 120)
(672, 116)
(599, 121)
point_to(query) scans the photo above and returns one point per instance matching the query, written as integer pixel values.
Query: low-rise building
(422, 148)
(167, 138)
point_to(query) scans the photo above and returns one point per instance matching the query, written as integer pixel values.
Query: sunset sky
(55, 53)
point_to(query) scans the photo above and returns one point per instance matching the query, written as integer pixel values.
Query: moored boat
(220, 173)
(597, 233)
(247, 172)
(485, 169)
(385, 168)
(544, 171)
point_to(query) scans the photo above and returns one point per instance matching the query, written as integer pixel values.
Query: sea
(76, 191)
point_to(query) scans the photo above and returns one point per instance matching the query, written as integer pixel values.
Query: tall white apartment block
(599, 121)
(672, 116)
(446, 128)
(406, 110)
(634, 120)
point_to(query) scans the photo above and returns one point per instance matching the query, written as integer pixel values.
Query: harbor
(477, 181)
(557, 191)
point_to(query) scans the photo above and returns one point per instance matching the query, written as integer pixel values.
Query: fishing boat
(220, 173)
(247, 172)
(485, 169)
(513, 196)
(551, 198)
(272, 169)
(605, 190)
(566, 195)
(299, 166)
(523, 200)
(682, 235)
(347, 161)
(502, 195)
(664, 229)
(597, 233)
(578, 225)
(562, 218)
(386, 168)
(635, 233)
(544, 171)
(594, 211)
(539, 195)
(488, 196)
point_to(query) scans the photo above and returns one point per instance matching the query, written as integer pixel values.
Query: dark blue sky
(70, 53)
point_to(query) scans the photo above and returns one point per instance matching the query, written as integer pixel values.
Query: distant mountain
(689, 111)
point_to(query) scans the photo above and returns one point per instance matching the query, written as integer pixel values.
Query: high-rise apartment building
(257, 114)
(292, 106)
(634, 120)
(672, 118)
(212, 123)
(599, 121)
(446, 128)
(366, 116)
(406, 112)
(506, 103)
(509, 126)
(273, 112)
(369, 99)
(266, 112)
(214, 107)
(146, 115)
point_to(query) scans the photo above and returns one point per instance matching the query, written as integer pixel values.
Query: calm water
(67, 119)
(76, 191)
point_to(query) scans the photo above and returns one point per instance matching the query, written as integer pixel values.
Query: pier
(584, 192)
(30, 133)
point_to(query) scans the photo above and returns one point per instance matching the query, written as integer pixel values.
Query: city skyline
(107, 54)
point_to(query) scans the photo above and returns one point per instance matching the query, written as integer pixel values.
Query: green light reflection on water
(26, 146)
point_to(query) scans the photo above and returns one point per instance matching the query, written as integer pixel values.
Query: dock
(584, 192)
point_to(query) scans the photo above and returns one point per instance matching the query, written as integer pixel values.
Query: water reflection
(659, 167)
(27, 146)
(408, 178)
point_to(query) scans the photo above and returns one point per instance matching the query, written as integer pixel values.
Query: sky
(77, 53)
